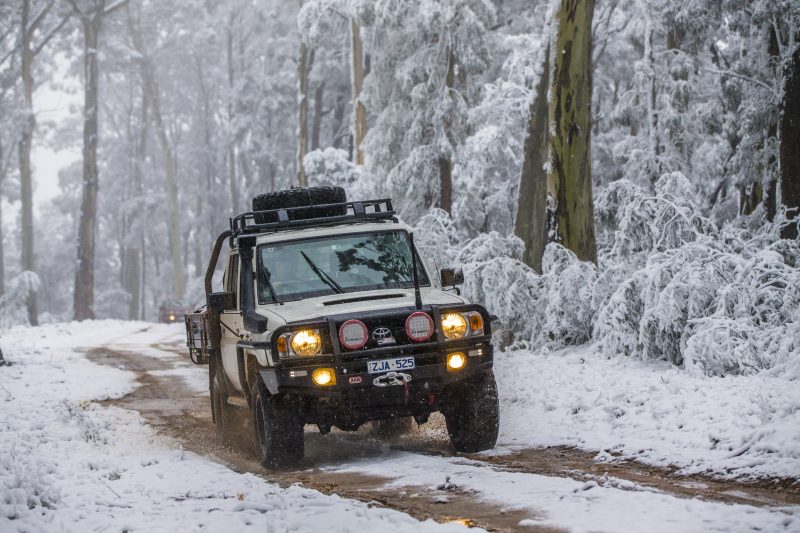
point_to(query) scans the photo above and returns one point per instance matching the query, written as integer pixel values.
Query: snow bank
(733, 426)
(67, 464)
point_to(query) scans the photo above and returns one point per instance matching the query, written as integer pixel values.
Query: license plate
(389, 365)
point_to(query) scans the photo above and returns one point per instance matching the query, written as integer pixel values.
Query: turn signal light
(324, 377)
(456, 361)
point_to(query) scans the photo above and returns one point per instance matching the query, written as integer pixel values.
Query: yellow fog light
(306, 342)
(454, 325)
(456, 361)
(324, 377)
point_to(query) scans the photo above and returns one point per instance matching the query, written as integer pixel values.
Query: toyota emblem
(383, 336)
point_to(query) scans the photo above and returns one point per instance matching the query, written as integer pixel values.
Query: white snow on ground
(613, 505)
(67, 464)
(735, 426)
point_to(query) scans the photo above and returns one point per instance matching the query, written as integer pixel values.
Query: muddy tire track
(183, 414)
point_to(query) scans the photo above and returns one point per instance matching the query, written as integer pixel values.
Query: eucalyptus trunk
(24, 154)
(531, 223)
(790, 140)
(569, 177)
(87, 226)
(358, 73)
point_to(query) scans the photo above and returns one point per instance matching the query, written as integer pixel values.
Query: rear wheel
(221, 412)
(278, 428)
(472, 414)
(392, 427)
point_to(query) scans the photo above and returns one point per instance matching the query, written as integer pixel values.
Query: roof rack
(302, 216)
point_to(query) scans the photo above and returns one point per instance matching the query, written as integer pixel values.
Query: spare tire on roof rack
(300, 197)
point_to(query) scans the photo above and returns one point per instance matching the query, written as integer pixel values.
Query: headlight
(306, 342)
(454, 325)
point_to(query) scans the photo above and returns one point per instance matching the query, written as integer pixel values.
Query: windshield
(336, 264)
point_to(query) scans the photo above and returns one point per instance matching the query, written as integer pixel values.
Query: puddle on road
(178, 412)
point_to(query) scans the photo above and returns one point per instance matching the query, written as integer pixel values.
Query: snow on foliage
(13, 310)
(671, 285)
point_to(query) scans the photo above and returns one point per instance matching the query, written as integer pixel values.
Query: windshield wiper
(265, 275)
(322, 275)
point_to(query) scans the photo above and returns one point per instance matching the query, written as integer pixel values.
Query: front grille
(393, 324)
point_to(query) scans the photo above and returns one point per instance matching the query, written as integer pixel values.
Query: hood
(353, 302)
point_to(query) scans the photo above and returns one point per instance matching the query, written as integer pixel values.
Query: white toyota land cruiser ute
(328, 316)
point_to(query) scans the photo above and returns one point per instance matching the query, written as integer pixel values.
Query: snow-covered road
(104, 426)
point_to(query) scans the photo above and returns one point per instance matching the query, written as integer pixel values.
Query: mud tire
(300, 197)
(392, 427)
(221, 412)
(278, 429)
(472, 414)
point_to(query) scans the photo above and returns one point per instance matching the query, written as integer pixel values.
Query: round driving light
(419, 326)
(306, 342)
(456, 361)
(353, 335)
(454, 325)
(324, 377)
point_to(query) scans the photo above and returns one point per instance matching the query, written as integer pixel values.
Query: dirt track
(179, 412)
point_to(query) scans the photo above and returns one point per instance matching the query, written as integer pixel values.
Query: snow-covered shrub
(26, 483)
(655, 223)
(13, 309)
(568, 301)
(332, 167)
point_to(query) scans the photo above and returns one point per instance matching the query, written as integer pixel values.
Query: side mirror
(254, 322)
(222, 301)
(451, 277)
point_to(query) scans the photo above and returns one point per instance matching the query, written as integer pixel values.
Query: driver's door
(231, 322)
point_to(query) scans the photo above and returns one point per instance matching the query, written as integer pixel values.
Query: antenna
(417, 295)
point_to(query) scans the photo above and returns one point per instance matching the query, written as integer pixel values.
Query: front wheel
(278, 429)
(221, 412)
(472, 414)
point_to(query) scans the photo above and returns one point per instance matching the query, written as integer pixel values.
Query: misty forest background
(617, 171)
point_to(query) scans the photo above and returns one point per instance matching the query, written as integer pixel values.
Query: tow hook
(391, 379)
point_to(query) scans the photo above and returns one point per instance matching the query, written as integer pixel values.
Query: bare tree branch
(50, 35)
(741, 77)
(113, 7)
(39, 18)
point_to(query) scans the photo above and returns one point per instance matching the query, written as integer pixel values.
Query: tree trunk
(232, 178)
(84, 273)
(531, 223)
(770, 197)
(24, 154)
(151, 92)
(2, 249)
(790, 140)
(338, 130)
(319, 94)
(133, 261)
(303, 70)
(445, 160)
(569, 176)
(359, 111)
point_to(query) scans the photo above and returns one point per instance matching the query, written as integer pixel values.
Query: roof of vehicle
(328, 219)
(301, 233)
